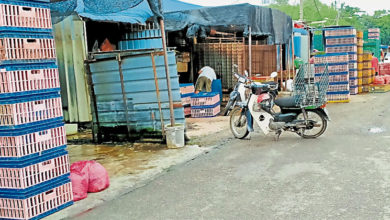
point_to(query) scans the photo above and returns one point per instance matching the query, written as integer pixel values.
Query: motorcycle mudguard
(325, 113)
(262, 118)
(250, 121)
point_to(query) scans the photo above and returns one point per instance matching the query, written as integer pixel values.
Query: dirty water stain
(118, 160)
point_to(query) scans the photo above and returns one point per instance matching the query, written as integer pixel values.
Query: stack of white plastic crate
(205, 105)
(338, 68)
(344, 40)
(34, 166)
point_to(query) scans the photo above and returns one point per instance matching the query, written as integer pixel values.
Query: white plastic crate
(338, 78)
(338, 41)
(205, 99)
(205, 112)
(18, 81)
(332, 68)
(339, 32)
(38, 205)
(336, 88)
(23, 16)
(330, 58)
(341, 49)
(25, 111)
(187, 88)
(31, 142)
(42, 170)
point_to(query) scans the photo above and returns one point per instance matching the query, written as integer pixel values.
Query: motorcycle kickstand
(277, 134)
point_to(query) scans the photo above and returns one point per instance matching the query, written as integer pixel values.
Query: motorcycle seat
(286, 102)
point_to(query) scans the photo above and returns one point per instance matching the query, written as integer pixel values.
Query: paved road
(343, 175)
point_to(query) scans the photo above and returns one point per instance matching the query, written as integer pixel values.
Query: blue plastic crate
(338, 93)
(39, 100)
(55, 196)
(339, 83)
(39, 179)
(28, 135)
(5, 91)
(31, 3)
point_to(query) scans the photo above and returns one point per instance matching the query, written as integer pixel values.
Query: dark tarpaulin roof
(263, 21)
(126, 11)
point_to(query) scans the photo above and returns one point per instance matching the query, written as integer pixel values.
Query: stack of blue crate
(205, 105)
(141, 39)
(34, 165)
(344, 40)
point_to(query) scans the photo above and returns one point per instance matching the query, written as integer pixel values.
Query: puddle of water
(376, 130)
(118, 160)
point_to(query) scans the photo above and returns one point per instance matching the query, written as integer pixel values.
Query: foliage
(323, 15)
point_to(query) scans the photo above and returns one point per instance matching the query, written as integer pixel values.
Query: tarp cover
(127, 11)
(263, 21)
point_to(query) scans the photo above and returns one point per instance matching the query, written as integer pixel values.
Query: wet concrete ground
(343, 175)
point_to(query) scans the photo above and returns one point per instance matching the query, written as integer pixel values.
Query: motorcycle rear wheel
(316, 131)
(238, 123)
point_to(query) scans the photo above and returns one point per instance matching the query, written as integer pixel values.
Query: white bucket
(175, 136)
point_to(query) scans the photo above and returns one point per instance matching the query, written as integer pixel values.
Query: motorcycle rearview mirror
(246, 73)
(274, 75)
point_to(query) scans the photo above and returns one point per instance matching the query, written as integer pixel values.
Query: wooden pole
(250, 51)
(158, 94)
(281, 67)
(172, 113)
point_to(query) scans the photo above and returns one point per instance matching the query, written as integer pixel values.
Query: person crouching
(206, 77)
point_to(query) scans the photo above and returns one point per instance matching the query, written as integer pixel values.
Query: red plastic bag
(379, 80)
(80, 179)
(88, 176)
(79, 186)
(98, 177)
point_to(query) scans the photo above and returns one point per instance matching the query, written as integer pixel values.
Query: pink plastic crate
(353, 56)
(28, 80)
(340, 32)
(337, 41)
(354, 91)
(26, 49)
(187, 89)
(353, 83)
(353, 74)
(23, 178)
(24, 16)
(336, 88)
(187, 111)
(332, 69)
(374, 30)
(341, 49)
(374, 34)
(31, 111)
(339, 78)
(205, 112)
(186, 100)
(36, 205)
(205, 101)
(32, 143)
(331, 59)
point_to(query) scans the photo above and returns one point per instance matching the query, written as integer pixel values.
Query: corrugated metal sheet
(140, 91)
(71, 53)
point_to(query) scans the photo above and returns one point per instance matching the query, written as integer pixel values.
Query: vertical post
(250, 51)
(172, 114)
(301, 11)
(124, 96)
(288, 63)
(96, 131)
(293, 54)
(281, 67)
(158, 94)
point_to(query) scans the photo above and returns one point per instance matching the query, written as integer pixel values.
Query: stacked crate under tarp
(205, 104)
(367, 77)
(360, 42)
(141, 37)
(344, 40)
(34, 166)
(338, 68)
(186, 92)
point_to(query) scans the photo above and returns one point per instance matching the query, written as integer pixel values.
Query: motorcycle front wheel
(238, 123)
(320, 125)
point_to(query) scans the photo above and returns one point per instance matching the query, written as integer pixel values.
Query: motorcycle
(238, 93)
(303, 113)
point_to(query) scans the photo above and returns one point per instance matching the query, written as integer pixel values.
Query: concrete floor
(343, 175)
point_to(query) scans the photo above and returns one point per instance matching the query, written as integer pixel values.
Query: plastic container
(37, 204)
(205, 111)
(175, 136)
(341, 49)
(344, 31)
(341, 41)
(205, 99)
(29, 17)
(187, 88)
(23, 80)
(25, 112)
(22, 176)
(19, 145)
(26, 47)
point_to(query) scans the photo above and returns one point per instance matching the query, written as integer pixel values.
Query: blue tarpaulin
(127, 11)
